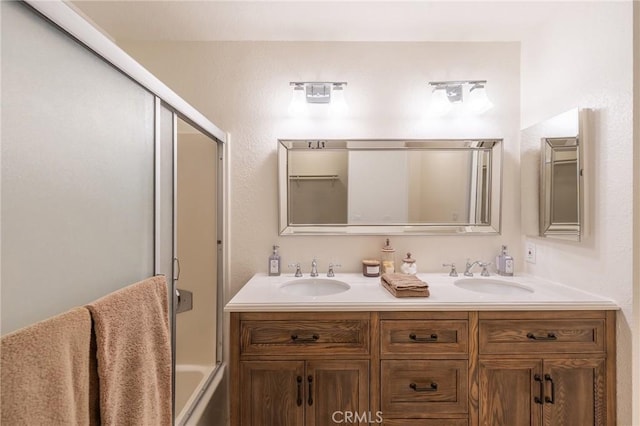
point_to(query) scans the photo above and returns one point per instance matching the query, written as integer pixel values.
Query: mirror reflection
(561, 185)
(410, 186)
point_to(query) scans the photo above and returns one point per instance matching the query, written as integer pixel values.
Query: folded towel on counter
(48, 373)
(402, 285)
(131, 327)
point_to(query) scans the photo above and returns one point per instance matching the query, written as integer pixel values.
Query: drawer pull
(538, 399)
(432, 338)
(551, 400)
(297, 339)
(433, 387)
(299, 400)
(310, 400)
(549, 336)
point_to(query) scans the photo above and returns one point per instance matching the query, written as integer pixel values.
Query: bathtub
(191, 384)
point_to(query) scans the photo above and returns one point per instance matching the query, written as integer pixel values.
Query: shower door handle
(176, 269)
(185, 300)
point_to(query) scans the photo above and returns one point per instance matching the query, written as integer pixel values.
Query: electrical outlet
(530, 252)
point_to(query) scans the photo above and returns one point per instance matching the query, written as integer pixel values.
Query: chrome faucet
(483, 265)
(485, 271)
(453, 272)
(314, 268)
(297, 266)
(330, 272)
(467, 269)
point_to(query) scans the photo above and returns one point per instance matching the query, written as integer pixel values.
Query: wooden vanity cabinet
(552, 368)
(546, 368)
(299, 368)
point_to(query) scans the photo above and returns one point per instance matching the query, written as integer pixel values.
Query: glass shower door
(197, 227)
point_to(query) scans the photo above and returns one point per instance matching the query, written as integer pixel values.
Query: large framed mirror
(417, 187)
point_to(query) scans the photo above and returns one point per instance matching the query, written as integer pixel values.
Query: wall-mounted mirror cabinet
(553, 184)
(417, 187)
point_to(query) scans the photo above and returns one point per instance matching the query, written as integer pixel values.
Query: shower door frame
(72, 23)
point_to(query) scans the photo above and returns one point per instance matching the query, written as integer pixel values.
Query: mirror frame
(548, 228)
(573, 124)
(495, 205)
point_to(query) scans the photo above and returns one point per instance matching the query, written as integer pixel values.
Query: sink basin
(314, 287)
(492, 286)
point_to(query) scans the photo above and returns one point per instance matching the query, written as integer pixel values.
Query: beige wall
(585, 60)
(244, 88)
(197, 248)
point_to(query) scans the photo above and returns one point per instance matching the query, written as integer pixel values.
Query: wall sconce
(447, 93)
(317, 92)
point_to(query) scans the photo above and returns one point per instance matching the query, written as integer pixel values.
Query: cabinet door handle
(433, 387)
(432, 338)
(299, 400)
(297, 339)
(539, 399)
(551, 400)
(549, 336)
(310, 400)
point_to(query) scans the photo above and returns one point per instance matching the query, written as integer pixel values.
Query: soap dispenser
(504, 263)
(274, 262)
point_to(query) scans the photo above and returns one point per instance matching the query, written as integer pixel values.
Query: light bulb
(439, 104)
(477, 100)
(298, 104)
(338, 106)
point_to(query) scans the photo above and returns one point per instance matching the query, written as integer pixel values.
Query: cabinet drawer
(413, 338)
(533, 336)
(305, 338)
(423, 388)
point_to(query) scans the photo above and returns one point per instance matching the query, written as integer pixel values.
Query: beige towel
(402, 285)
(134, 354)
(48, 373)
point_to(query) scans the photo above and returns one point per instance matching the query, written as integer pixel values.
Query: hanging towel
(402, 285)
(131, 327)
(48, 373)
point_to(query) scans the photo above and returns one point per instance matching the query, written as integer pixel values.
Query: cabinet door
(575, 392)
(337, 391)
(511, 392)
(272, 393)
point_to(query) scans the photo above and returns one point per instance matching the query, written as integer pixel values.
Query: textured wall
(586, 61)
(244, 88)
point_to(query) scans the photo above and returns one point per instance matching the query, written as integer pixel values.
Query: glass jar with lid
(388, 259)
(409, 266)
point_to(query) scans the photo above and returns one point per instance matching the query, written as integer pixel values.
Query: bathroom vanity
(544, 354)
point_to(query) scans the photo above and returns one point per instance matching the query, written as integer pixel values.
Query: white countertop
(263, 293)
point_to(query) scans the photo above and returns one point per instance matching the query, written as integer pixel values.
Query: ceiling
(180, 20)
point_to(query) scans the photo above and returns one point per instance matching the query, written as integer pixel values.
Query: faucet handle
(454, 272)
(330, 272)
(485, 272)
(297, 266)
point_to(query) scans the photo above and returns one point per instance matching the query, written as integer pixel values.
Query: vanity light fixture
(447, 93)
(317, 92)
